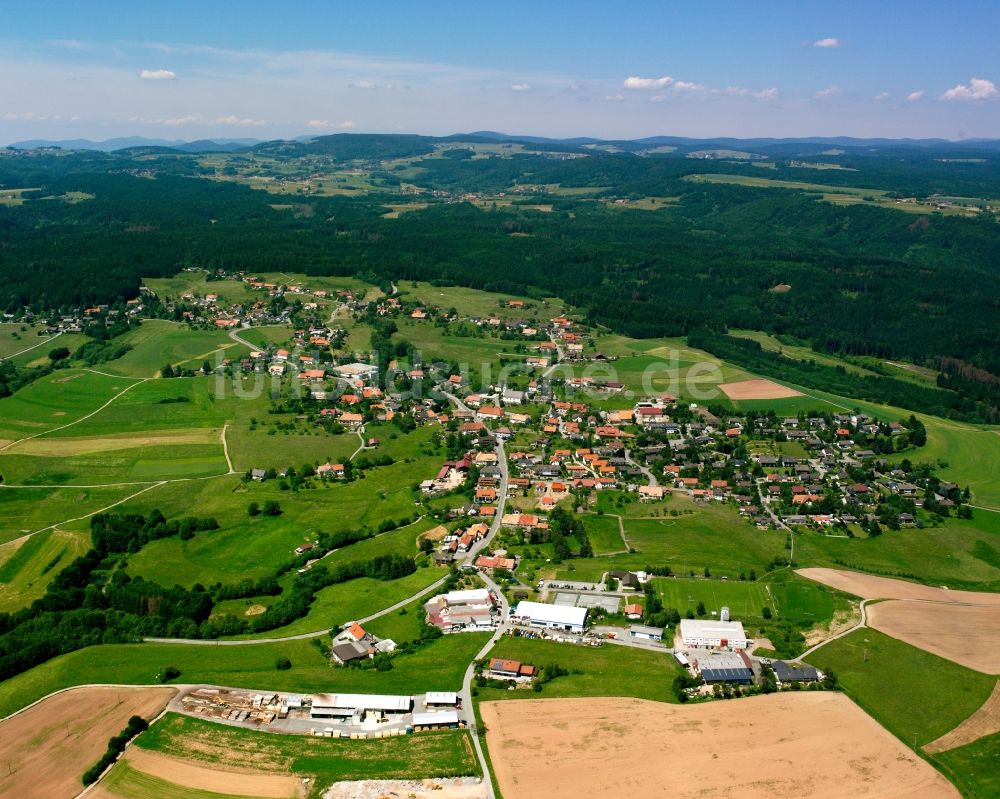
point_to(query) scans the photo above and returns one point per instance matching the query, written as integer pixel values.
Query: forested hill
(643, 243)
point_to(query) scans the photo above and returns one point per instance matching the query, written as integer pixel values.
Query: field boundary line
(225, 449)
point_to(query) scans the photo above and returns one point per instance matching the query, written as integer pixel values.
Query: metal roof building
(341, 705)
(555, 617)
(736, 676)
(443, 718)
(714, 634)
(440, 698)
(786, 672)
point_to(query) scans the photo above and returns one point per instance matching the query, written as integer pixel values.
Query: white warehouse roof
(435, 719)
(392, 704)
(709, 628)
(472, 596)
(440, 698)
(550, 614)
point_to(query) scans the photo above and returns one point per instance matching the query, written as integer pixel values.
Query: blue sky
(254, 69)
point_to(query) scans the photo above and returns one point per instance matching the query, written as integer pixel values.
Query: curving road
(861, 624)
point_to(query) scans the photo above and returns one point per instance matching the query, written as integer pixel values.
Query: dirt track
(983, 722)
(49, 746)
(809, 745)
(757, 389)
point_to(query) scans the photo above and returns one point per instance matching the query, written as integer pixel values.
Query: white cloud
(318, 123)
(829, 41)
(762, 94)
(830, 91)
(914, 96)
(520, 87)
(881, 96)
(978, 89)
(367, 85)
(685, 86)
(10, 116)
(647, 83)
(658, 98)
(175, 121)
(347, 124)
(613, 98)
(157, 74)
(232, 119)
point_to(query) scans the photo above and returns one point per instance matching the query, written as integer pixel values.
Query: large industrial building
(713, 634)
(345, 706)
(552, 617)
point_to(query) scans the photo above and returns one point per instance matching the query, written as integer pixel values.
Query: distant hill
(127, 142)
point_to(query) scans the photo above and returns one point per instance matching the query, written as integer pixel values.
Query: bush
(253, 509)
(282, 664)
(168, 673)
(271, 508)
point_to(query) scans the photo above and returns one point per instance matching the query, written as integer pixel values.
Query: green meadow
(437, 666)
(158, 342)
(27, 566)
(914, 694)
(25, 510)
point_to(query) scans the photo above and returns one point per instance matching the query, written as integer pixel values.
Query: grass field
(608, 670)
(326, 760)
(712, 535)
(472, 302)
(958, 554)
(437, 666)
(159, 342)
(744, 599)
(352, 600)
(974, 767)
(911, 692)
(57, 399)
(27, 567)
(252, 547)
(127, 782)
(24, 510)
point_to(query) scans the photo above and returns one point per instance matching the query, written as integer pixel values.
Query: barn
(343, 706)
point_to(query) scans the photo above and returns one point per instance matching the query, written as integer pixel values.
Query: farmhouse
(713, 634)
(344, 653)
(511, 669)
(331, 706)
(553, 617)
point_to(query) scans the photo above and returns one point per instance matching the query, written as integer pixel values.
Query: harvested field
(870, 586)
(71, 730)
(811, 745)
(983, 722)
(211, 778)
(459, 788)
(964, 634)
(757, 389)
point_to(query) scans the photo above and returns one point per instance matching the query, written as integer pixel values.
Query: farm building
(332, 706)
(553, 617)
(444, 718)
(347, 651)
(738, 676)
(785, 672)
(642, 632)
(461, 610)
(440, 699)
(713, 634)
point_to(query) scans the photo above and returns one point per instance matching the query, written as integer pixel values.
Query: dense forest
(860, 279)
